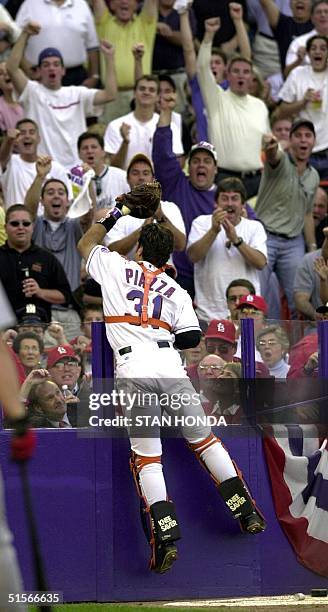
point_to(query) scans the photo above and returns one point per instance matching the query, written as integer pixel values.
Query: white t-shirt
(221, 265)
(128, 224)
(108, 185)
(19, 175)
(141, 136)
(121, 283)
(61, 117)
(69, 27)
(299, 41)
(298, 81)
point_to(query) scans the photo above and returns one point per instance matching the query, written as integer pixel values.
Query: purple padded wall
(88, 515)
(92, 540)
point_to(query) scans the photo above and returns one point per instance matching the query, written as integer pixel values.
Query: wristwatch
(238, 242)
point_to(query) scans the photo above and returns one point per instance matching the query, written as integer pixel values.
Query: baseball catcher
(148, 316)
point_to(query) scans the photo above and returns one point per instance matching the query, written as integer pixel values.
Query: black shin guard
(241, 505)
(166, 531)
(160, 526)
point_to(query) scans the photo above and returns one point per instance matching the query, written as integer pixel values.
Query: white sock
(218, 461)
(153, 483)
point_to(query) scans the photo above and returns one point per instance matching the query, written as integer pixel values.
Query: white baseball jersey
(122, 283)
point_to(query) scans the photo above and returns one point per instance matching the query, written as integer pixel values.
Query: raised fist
(269, 142)
(236, 11)
(32, 28)
(125, 130)
(168, 101)
(138, 51)
(212, 25)
(107, 48)
(43, 165)
(12, 134)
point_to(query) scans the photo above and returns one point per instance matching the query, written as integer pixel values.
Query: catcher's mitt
(142, 201)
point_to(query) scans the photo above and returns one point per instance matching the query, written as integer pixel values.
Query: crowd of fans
(226, 104)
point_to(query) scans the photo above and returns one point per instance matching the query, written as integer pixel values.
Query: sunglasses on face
(217, 348)
(251, 311)
(18, 223)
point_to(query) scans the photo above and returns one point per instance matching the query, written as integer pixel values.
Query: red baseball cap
(57, 353)
(222, 329)
(257, 301)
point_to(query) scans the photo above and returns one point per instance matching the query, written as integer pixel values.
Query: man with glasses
(253, 307)
(208, 371)
(29, 273)
(64, 366)
(220, 339)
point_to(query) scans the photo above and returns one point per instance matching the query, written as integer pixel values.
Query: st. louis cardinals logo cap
(222, 329)
(257, 301)
(56, 354)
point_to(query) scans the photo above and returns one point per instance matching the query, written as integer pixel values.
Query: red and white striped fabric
(298, 467)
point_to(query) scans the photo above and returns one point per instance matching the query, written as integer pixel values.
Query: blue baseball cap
(50, 52)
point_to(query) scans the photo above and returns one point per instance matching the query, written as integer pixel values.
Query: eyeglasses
(17, 223)
(217, 348)
(60, 365)
(268, 343)
(210, 367)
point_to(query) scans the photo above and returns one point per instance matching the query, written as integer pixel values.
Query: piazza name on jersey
(137, 279)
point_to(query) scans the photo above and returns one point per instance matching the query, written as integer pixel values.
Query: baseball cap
(323, 308)
(140, 157)
(222, 329)
(302, 122)
(257, 301)
(203, 146)
(31, 315)
(58, 353)
(50, 52)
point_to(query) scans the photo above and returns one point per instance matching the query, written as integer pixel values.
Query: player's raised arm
(141, 202)
(97, 232)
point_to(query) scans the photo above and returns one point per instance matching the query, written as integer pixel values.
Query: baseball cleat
(253, 523)
(165, 555)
